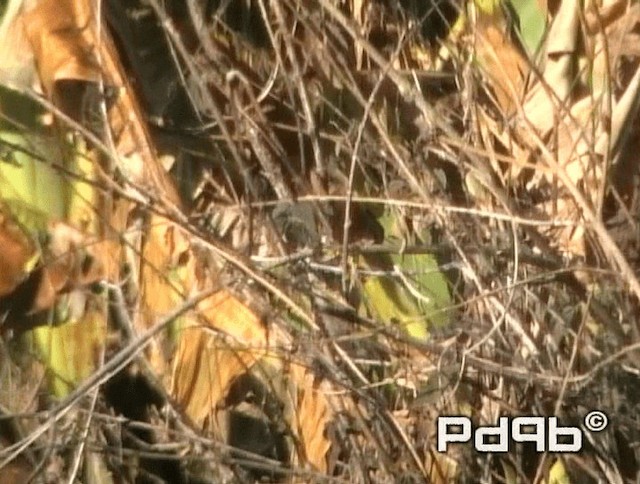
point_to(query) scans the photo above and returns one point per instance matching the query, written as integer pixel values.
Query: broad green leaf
(36, 194)
(70, 351)
(412, 293)
(532, 20)
(32, 189)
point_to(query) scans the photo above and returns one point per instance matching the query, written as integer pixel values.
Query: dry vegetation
(276, 239)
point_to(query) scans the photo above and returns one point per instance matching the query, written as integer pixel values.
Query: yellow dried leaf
(226, 313)
(204, 368)
(208, 361)
(558, 473)
(226, 340)
(166, 277)
(313, 414)
(442, 467)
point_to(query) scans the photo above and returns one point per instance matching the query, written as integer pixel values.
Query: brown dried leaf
(64, 40)
(68, 262)
(501, 60)
(72, 258)
(62, 37)
(586, 129)
(599, 15)
(17, 250)
(17, 65)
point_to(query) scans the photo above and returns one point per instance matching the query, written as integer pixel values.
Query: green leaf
(36, 194)
(70, 350)
(411, 292)
(532, 21)
(32, 189)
